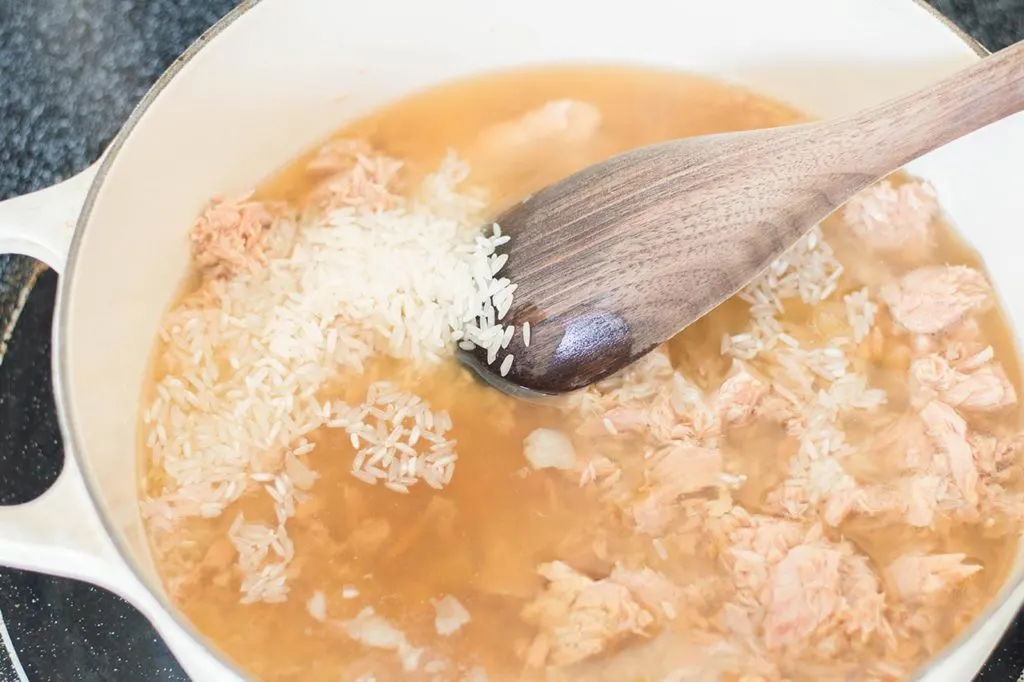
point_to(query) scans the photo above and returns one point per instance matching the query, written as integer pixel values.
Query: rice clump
(294, 298)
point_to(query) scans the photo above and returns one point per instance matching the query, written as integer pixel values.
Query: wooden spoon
(621, 256)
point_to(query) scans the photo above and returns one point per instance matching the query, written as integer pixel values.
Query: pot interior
(286, 74)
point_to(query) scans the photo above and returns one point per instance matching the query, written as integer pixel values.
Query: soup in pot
(820, 480)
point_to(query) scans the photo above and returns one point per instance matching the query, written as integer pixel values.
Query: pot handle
(60, 532)
(42, 223)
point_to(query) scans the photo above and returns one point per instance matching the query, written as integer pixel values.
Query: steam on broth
(819, 480)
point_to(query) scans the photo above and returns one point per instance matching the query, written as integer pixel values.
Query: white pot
(275, 77)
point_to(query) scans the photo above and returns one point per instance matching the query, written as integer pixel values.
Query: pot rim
(66, 413)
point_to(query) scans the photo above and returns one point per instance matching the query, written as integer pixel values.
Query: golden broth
(481, 538)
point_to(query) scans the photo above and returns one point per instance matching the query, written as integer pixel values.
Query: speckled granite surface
(70, 72)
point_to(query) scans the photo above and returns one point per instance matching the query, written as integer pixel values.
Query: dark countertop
(70, 72)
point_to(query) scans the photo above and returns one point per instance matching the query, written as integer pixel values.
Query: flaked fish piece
(565, 120)
(648, 399)
(888, 219)
(230, 236)
(864, 612)
(738, 397)
(996, 457)
(373, 630)
(352, 173)
(985, 388)
(913, 500)
(802, 595)
(917, 576)
(652, 589)
(949, 432)
(549, 448)
(676, 471)
(578, 617)
(797, 589)
(768, 537)
(823, 593)
(933, 298)
(996, 499)
(450, 616)
(905, 443)
(965, 343)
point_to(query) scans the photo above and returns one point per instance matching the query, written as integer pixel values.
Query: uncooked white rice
(816, 382)
(860, 313)
(402, 440)
(263, 576)
(808, 271)
(490, 301)
(248, 354)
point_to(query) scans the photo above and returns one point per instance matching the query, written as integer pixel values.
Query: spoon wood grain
(621, 256)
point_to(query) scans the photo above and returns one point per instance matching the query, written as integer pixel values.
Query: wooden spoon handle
(617, 258)
(906, 128)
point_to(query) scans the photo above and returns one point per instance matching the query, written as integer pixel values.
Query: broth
(482, 537)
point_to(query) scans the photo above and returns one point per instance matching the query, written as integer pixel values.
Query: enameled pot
(275, 77)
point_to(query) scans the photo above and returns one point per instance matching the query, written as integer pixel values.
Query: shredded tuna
(374, 631)
(751, 544)
(652, 589)
(739, 396)
(892, 219)
(912, 500)
(803, 590)
(802, 595)
(918, 576)
(934, 298)
(649, 398)
(578, 617)
(676, 471)
(998, 458)
(949, 432)
(1002, 502)
(354, 174)
(905, 443)
(565, 120)
(983, 388)
(451, 615)
(230, 236)
(549, 448)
